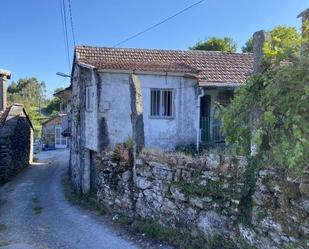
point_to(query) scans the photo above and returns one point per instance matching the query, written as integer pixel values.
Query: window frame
(161, 105)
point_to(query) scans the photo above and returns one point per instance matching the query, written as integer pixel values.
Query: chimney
(304, 15)
(259, 38)
(4, 75)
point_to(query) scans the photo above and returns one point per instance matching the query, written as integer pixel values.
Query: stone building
(56, 130)
(157, 98)
(52, 130)
(16, 135)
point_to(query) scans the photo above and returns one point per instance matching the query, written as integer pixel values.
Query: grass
(3, 243)
(2, 227)
(180, 239)
(37, 210)
(36, 207)
(87, 201)
(35, 200)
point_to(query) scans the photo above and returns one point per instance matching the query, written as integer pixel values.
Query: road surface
(34, 213)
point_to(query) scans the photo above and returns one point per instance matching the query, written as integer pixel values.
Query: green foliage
(88, 201)
(248, 47)
(31, 93)
(285, 44)
(225, 44)
(279, 96)
(187, 149)
(180, 238)
(52, 106)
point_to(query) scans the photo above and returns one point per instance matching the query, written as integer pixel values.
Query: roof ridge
(209, 65)
(159, 50)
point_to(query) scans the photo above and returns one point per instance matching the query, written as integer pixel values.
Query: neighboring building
(65, 98)
(16, 135)
(52, 129)
(56, 130)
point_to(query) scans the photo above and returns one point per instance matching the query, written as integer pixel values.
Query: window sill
(161, 117)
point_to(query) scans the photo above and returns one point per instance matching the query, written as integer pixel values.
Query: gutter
(198, 114)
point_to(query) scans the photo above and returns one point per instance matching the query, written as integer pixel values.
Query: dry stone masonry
(208, 196)
(15, 144)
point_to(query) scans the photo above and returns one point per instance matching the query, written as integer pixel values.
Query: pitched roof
(207, 66)
(56, 120)
(14, 110)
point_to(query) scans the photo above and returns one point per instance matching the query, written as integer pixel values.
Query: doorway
(60, 141)
(205, 118)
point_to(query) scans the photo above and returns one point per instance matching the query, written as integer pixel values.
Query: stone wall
(209, 196)
(15, 147)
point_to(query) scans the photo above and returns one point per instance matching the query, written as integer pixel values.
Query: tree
(225, 44)
(53, 105)
(31, 93)
(285, 44)
(248, 47)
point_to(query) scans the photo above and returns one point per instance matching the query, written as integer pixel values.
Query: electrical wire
(65, 31)
(72, 26)
(158, 24)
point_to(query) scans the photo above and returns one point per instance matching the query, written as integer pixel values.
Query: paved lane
(35, 215)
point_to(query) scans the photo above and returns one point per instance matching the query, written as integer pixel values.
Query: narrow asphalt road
(34, 213)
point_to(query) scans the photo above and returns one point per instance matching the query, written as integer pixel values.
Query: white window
(89, 98)
(161, 102)
(60, 141)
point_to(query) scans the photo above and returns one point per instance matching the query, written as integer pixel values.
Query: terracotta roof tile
(210, 66)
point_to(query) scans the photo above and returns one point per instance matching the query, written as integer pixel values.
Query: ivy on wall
(281, 95)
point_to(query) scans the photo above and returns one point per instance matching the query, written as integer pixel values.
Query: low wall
(213, 195)
(15, 147)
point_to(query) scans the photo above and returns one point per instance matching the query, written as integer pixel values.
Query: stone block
(211, 223)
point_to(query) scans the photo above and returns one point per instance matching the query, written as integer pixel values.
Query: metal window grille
(161, 102)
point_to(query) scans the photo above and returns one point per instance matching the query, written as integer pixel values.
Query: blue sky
(32, 42)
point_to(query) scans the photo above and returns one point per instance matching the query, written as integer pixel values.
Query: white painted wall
(114, 106)
(180, 129)
(159, 132)
(91, 121)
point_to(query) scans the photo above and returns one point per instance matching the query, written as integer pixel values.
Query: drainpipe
(198, 113)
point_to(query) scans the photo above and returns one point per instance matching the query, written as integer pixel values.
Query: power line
(72, 26)
(159, 23)
(65, 31)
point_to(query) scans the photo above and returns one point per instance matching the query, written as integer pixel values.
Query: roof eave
(170, 73)
(204, 83)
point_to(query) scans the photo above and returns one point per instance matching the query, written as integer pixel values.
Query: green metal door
(205, 118)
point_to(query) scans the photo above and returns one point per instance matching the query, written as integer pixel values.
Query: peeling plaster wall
(114, 108)
(91, 122)
(164, 132)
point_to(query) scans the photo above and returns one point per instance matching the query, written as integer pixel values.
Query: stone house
(65, 107)
(178, 93)
(157, 98)
(52, 132)
(56, 130)
(16, 135)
